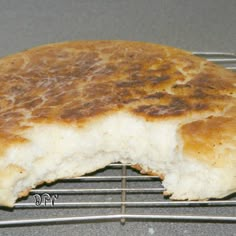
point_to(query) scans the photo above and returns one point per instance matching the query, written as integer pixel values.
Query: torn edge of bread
(57, 151)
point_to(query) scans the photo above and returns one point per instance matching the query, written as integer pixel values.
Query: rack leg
(123, 193)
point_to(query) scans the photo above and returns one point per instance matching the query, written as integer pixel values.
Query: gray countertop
(208, 25)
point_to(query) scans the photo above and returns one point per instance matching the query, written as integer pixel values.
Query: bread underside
(69, 109)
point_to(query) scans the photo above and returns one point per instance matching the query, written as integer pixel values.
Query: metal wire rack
(117, 193)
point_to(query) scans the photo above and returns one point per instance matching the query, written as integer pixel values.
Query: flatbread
(70, 108)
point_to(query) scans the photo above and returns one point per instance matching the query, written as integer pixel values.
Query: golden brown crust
(211, 140)
(75, 82)
(148, 171)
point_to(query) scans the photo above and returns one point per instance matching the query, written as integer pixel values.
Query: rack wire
(117, 193)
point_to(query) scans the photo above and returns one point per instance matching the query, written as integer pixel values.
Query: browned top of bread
(75, 82)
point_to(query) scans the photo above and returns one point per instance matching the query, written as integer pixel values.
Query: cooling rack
(117, 193)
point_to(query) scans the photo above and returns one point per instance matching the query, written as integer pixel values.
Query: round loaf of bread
(67, 109)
